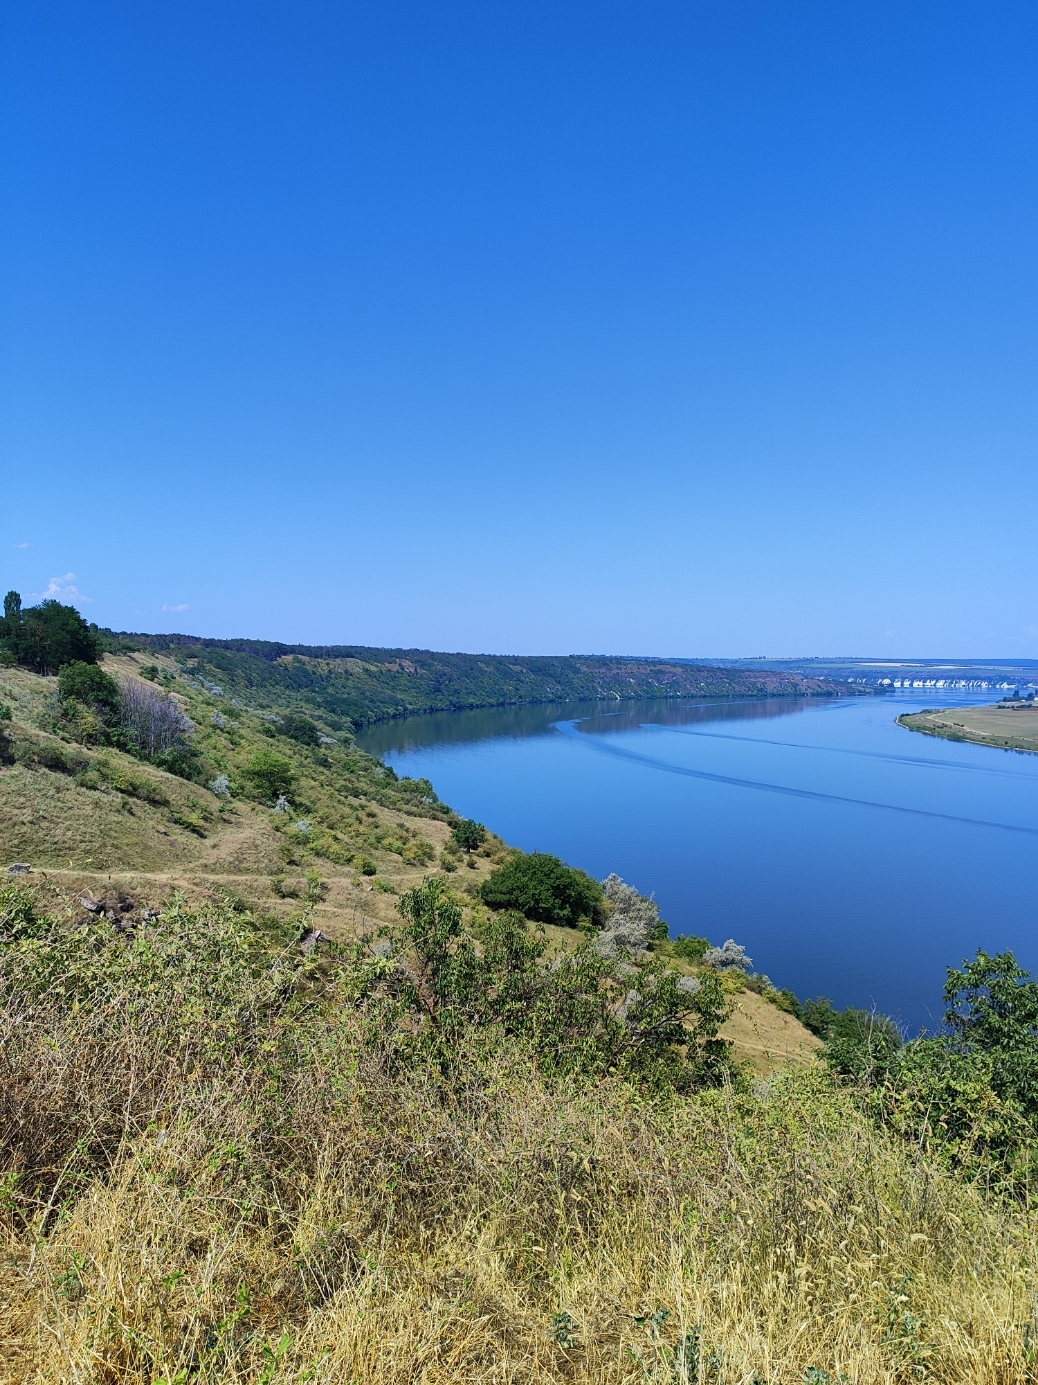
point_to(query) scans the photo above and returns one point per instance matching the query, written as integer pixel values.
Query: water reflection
(628, 716)
(594, 718)
(853, 858)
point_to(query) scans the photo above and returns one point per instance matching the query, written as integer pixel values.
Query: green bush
(298, 728)
(690, 947)
(90, 685)
(544, 889)
(787, 1000)
(268, 775)
(577, 1011)
(817, 1015)
(951, 1104)
(862, 1044)
(50, 755)
(130, 782)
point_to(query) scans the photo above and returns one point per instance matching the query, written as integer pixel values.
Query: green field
(1007, 727)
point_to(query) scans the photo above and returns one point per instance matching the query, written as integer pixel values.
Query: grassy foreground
(220, 1163)
(227, 1157)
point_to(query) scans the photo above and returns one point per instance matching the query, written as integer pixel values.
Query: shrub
(5, 711)
(221, 786)
(993, 1009)
(690, 947)
(90, 685)
(468, 835)
(949, 1104)
(862, 1044)
(633, 920)
(298, 728)
(418, 852)
(542, 888)
(127, 781)
(270, 776)
(183, 760)
(51, 755)
(571, 1010)
(817, 1015)
(154, 719)
(787, 1000)
(732, 956)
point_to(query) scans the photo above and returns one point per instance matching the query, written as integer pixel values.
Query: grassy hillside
(234, 1151)
(355, 686)
(98, 819)
(225, 1161)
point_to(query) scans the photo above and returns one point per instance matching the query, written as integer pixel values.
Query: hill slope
(96, 819)
(225, 1158)
(357, 685)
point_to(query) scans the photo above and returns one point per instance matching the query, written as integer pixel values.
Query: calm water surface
(852, 858)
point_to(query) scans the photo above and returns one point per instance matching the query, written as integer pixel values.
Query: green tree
(543, 888)
(268, 775)
(90, 685)
(993, 1011)
(469, 835)
(48, 636)
(298, 728)
(444, 980)
(12, 611)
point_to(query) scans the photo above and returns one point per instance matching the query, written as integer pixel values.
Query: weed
(564, 1330)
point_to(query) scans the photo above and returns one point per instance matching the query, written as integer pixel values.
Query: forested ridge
(363, 685)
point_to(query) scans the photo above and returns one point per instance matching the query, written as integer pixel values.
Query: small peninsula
(1005, 725)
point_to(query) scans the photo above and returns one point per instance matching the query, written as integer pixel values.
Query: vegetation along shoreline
(304, 1077)
(1005, 725)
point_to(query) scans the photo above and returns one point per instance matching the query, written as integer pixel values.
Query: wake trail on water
(568, 728)
(837, 750)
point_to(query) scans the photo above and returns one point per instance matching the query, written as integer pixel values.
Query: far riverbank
(1005, 727)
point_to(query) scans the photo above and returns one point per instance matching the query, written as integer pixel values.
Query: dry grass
(1005, 728)
(274, 1202)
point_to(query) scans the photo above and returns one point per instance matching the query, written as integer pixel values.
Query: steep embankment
(227, 1156)
(94, 818)
(357, 685)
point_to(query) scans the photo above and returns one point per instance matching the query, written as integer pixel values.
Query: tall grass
(215, 1170)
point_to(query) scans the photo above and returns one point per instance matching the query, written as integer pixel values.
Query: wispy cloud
(62, 589)
(181, 607)
(21, 545)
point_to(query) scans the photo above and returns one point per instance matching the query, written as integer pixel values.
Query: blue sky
(689, 328)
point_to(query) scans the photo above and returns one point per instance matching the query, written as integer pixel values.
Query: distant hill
(359, 685)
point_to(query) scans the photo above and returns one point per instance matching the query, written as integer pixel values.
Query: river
(852, 858)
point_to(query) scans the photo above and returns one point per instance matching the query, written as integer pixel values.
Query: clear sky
(687, 328)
